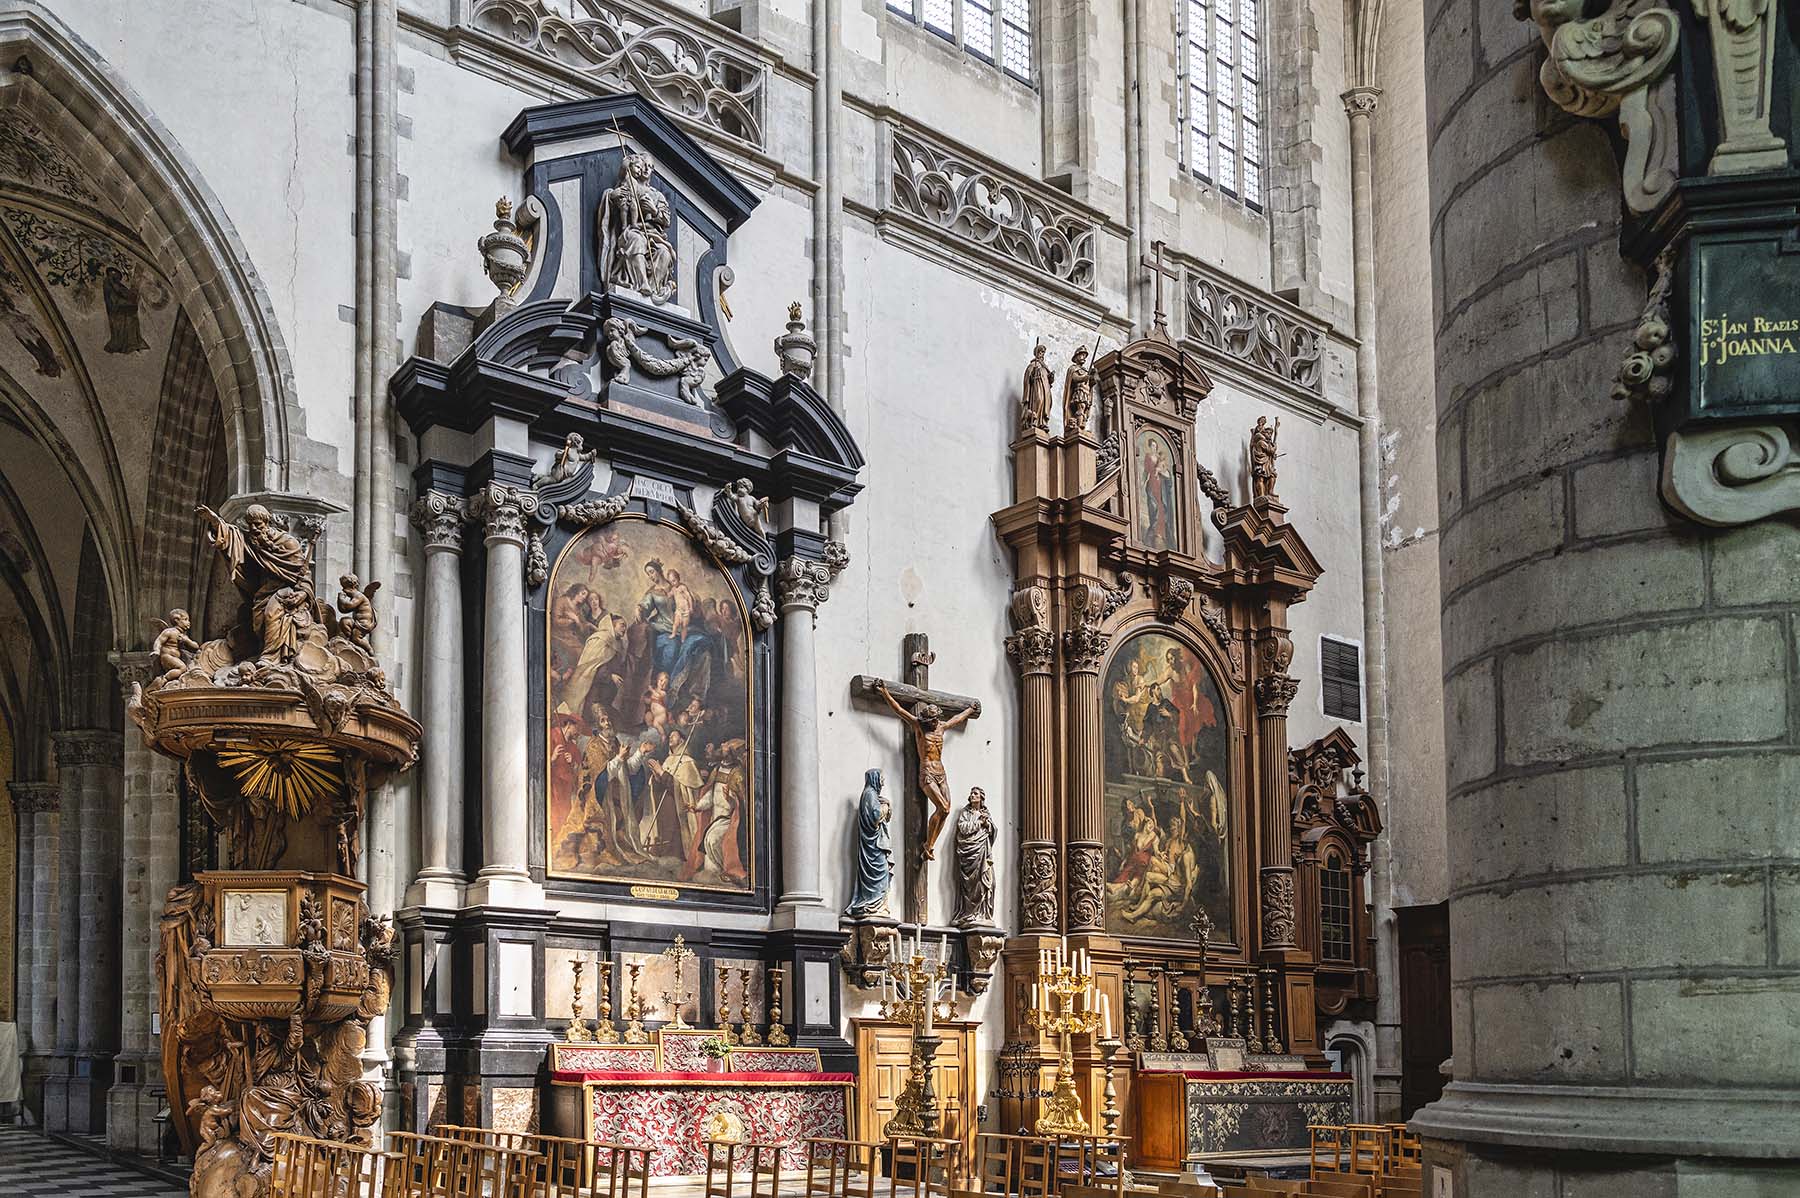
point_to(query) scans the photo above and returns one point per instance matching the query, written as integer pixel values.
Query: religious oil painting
(648, 773)
(1168, 829)
(1156, 523)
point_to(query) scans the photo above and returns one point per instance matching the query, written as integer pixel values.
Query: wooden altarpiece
(1112, 580)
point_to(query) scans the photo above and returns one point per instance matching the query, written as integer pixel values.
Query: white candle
(1106, 1016)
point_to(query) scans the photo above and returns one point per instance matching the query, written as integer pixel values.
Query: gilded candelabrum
(1065, 1004)
(778, 1036)
(634, 1008)
(605, 1032)
(918, 990)
(680, 954)
(722, 1002)
(749, 1035)
(578, 1032)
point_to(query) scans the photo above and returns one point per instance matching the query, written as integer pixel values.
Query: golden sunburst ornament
(292, 774)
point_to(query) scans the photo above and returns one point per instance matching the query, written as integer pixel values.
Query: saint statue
(1034, 403)
(272, 569)
(1262, 457)
(1078, 394)
(975, 833)
(121, 301)
(928, 727)
(635, 250)
(874, 851)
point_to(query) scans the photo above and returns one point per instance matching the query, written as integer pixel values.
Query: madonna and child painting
(648, 771)
(1168, 834)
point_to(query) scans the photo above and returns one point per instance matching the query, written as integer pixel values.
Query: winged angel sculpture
(1616, 61)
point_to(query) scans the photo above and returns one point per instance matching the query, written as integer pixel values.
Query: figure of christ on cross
(928, 727)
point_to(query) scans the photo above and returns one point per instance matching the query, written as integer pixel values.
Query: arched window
(1221, 98)
(1334, 908)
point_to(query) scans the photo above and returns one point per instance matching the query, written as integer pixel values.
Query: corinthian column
(502, 512)
(801, 585)
(1033, 651)
(1274, 691)
(1083, 647)
(440, 517)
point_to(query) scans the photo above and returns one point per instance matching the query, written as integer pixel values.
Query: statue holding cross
(927, 715)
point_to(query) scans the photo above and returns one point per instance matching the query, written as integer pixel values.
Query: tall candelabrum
(1065, 1004)
(578, 1032)
(605, 1031)
(920, 991)
(778, 1035)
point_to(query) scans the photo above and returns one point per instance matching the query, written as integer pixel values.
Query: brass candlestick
(722, 1002)
(605, 1032)
(910, 988)
(778, 1036)
(1271, 1042)
(680, 954)
(749, 1035)
(1063, 1006)
(634, 1009)
(577, 1032)
(1109, 1114)
(1134, 1036)
(1159, 1040)
(1178, 1041)
(1205, 1022)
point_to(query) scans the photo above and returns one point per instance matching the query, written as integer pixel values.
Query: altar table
(677, 1112)
(1191, 1114)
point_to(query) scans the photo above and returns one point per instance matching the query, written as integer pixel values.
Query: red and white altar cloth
(676, 1113)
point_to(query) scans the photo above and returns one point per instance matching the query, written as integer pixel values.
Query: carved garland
(976, 204)
(626, 49)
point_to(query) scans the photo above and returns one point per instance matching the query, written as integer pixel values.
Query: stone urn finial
(796, 347)
(505, 256)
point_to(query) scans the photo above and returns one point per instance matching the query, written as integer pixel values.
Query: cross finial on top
(1159, 317)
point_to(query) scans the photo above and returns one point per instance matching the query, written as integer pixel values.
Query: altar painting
(1168, 743)
(648, 702)
(1156, 518)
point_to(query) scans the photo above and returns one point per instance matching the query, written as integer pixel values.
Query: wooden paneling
(883, 1053)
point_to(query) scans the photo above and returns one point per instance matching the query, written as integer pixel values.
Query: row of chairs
(1347, 1185)
(1364, 1148)
(459, 1163)
(1017, 1165)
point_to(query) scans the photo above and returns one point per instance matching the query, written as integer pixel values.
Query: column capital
(136, 668)
(34, 797)
(1273, 694)
(1032, 650)
(1361, 101)
(503, 512)
(804, 583)
(440, 516)
(88, 746)
(1083, 647)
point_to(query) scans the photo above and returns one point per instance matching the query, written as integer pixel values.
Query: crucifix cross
(1156, 266)
(928, 714)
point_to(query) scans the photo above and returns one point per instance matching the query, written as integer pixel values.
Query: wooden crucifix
(927, 714)
(1155, 264)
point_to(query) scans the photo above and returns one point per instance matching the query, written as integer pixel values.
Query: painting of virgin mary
(1157, 522)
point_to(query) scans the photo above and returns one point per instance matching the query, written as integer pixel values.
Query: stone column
(1275, 689)
(1033, 651)
(440, 517)
(1619, 701)
(146, 775)
(36, 806)
(1084, 645)
(800, 586)
(505, 879)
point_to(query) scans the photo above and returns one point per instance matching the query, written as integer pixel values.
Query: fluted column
(504, 880)
(801, 585)
(35, 805)
(1084, 645)
(1033, 652)
(1274, 691)
(440, 517)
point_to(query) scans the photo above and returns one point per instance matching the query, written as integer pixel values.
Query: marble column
(1032, 650)
(1084, 645)
(801, 585)
(505, 879)
(1274, 691)
(440, 518)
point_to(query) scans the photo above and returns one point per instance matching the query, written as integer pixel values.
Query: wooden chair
(1350, 1185)
(722, 1158)
(1094, 1162)
(1328, 1150)
(429, 1166)
(1235, 1191)
(1401, 1185)
(996, 1163)
(841, 1161)
(1040, 1166)
(923, 1166)
(1275, 1185)
(1368, 1148)
(305, 1167)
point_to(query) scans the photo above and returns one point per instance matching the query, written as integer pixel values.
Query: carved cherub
(753, 510)
(355, 601)
(573, 455)
(173, 648)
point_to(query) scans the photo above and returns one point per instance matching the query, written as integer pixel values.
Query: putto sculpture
(270, 969)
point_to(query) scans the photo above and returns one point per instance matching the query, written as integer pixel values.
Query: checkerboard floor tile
(33, 1166)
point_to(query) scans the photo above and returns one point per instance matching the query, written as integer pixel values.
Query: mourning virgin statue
(975, 834)
(874, 850)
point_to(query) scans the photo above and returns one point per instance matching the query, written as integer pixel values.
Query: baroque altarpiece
(624, 531)
(1166, 828)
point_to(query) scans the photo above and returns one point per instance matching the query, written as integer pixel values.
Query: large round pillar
(1619, 694)
(800, 586)
(439, 518)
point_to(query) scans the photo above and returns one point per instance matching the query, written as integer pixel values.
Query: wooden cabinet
(883, 1053)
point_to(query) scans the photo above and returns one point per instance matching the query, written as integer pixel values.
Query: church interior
(765, 599)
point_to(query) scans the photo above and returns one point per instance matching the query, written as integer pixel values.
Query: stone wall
(1620, 694)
